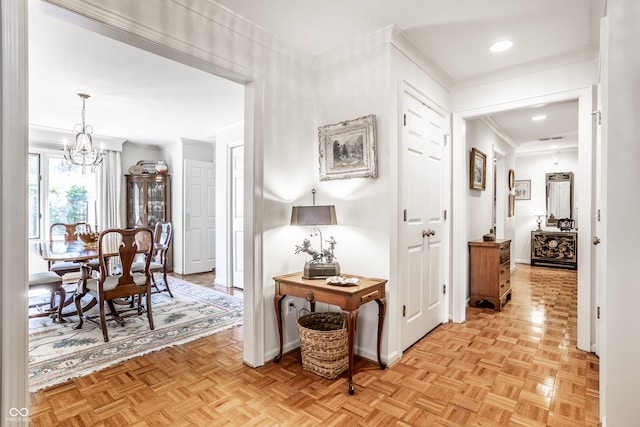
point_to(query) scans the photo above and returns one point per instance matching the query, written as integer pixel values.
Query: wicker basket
(323, 343)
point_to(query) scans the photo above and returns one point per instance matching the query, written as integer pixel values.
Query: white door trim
(460, 257)
(13, 211)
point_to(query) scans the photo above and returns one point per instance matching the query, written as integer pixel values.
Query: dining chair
(53, 283)
(162, 237)
(117, 249)
(68, 233)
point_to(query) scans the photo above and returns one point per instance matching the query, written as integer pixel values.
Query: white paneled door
(199, 216)
(237, 216)
(423, 235)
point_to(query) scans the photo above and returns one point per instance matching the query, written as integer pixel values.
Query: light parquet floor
(518, 367)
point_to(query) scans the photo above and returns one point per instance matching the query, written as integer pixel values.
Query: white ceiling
(148, 99)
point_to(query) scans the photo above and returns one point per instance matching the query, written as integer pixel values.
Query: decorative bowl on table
(89, 239)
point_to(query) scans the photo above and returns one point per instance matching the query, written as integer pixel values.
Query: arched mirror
(559, 196)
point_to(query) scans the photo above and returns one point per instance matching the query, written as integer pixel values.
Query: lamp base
(320, 270)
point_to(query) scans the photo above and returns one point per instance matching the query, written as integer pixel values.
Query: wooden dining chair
(68, 233)
(53, 283)
(162, 237)
(117, 249)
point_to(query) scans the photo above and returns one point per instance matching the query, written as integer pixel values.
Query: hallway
(517, 367)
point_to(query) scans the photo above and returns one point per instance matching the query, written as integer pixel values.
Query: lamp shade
(313, 215)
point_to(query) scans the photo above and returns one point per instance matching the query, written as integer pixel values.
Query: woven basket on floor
(323, 343)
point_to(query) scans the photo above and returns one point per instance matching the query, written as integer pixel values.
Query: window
(67, 194)
(34, 196)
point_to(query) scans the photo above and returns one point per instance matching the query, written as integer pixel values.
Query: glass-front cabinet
(148, 200)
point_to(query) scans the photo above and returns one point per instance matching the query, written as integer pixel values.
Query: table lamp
(539, 214)
(323, 264)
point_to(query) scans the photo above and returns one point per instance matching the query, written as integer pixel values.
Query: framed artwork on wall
(348, 149)
(512, 206)
(512, 177)
(478, 170)
(523, 190)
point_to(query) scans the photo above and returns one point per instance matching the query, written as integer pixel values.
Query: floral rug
(58, 352)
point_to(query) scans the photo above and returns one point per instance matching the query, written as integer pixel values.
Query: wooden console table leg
(278, 306)
(352, 320)
(382, 309)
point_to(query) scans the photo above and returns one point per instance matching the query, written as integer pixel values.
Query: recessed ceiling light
(501, 46)
(554, 146)
(538, 118)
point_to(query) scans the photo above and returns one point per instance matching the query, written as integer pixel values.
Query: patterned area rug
(58, 352)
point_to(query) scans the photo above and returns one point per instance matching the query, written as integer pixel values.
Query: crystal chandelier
(82, 152)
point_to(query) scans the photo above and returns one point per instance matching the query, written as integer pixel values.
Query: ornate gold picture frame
(348, 149)
(478, 170)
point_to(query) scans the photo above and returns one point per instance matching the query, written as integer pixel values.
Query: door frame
(13, 146)
(238, 144)
(460, 256)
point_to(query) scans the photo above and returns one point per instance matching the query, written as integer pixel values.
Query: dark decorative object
(566, 224)
(554, 249)
(489, 237)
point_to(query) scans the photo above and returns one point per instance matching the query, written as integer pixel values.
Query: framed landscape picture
(523, 190)
(348, 149)
(478, 170)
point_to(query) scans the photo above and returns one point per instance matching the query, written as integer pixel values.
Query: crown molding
(53, 138)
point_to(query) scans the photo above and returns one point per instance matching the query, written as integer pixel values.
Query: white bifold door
(422, 231)
(199, 216)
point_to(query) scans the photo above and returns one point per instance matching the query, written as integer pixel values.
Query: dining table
(70, 251)
(82, 253)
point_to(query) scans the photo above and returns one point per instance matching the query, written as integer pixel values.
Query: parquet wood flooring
(518, 367)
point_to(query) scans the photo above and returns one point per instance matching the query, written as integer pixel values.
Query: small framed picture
(478, 170)
(512, 178)
(512, 206)
(523, 190)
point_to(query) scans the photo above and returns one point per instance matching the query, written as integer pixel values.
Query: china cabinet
(148, 200)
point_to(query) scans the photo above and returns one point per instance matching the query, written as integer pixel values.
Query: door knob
(427, 233)
(596, 240)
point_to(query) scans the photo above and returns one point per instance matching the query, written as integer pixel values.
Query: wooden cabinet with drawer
(489, 273)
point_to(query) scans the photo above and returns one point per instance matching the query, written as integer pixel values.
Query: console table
(348, 298)
(554, 249)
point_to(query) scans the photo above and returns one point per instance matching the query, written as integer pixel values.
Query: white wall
(479, 212)
(621, 127)
(534, 167)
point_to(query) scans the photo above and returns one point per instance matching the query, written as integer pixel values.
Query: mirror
(559, 196)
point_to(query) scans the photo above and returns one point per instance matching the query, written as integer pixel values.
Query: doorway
(585, 213)
(252, 109)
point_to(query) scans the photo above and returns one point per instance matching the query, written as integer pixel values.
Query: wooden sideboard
(489, 273)
(554, 249)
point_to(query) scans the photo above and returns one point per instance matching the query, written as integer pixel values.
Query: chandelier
(82, 152)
